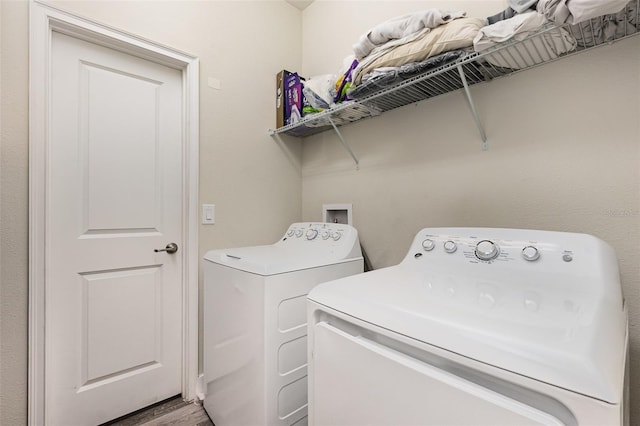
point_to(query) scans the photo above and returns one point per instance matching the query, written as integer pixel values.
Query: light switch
(214, 83)
(208, 214)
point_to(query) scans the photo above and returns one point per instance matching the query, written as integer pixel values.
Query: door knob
(170, 248)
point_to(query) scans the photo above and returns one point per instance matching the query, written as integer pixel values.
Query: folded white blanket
(507, 29)
(402, 29)
(576, 11)
(521, 5)
(539, 49)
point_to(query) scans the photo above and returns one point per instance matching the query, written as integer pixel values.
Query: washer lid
(564, 335)
(304, 245)
(272, 259)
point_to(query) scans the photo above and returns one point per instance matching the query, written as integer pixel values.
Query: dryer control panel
(515, 246)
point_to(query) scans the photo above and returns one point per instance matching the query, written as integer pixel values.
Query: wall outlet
(208, 214)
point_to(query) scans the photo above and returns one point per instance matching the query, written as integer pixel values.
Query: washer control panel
(317, 233)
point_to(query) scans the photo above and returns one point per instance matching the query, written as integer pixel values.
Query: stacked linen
(400, 30)
(549, 45)
(577, 11)
(383, 78)
(413, 38)
(525, 18)
(608, 27)
(562, 11)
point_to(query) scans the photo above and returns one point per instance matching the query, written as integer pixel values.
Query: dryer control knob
(298, 233)
(325, 235)
(336, 236)
(450, 246)
(428, 245)
(311, 234)
(487, 250)
(290, 233)
(530, 253)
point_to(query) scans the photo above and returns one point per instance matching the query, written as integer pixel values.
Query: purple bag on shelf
(344, 83)
(293, 98)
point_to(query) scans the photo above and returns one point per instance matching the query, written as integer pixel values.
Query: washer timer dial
(487, 250)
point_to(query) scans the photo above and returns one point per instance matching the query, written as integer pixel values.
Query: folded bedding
(402, 29)
(457, 34)
(545, 47)
(505, 14)
(576, 11)
(383, 78)
(608, 27)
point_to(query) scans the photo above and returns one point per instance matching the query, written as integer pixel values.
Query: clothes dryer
(474, 327)
(255, 342)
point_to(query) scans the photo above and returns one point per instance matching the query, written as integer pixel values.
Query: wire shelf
(547, 45)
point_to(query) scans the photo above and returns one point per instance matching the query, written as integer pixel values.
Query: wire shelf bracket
(472, 107)
(276, 135)
(344, 143)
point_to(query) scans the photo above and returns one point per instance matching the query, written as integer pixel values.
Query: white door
(113, 307)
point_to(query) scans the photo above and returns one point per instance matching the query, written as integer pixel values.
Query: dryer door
(357, 381)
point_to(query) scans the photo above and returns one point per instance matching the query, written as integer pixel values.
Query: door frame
(44, 20)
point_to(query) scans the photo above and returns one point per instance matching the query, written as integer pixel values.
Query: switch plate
(208, 214)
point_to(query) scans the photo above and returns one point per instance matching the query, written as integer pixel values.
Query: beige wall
(563, 152)
(13, 212)
(255, 185)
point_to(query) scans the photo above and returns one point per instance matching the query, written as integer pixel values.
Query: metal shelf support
(472, 106)
(274, 134)
(344, 143)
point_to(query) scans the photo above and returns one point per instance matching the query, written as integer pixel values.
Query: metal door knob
(170, 248)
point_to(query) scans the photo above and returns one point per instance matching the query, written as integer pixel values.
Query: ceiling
(300, 4)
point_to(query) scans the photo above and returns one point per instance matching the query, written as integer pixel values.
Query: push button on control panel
(450, 246)
(428, 245)
(530, 253)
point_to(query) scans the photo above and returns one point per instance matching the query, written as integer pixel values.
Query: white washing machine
(474, 327)
(255, 331)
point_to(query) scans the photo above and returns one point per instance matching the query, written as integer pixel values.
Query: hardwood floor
(173, 411)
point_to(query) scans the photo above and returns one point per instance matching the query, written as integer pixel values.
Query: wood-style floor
(173, 411)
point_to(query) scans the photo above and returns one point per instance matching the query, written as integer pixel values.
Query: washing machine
(255, 331)
(475, 326)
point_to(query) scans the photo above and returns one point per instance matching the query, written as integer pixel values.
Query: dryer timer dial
(487, 250)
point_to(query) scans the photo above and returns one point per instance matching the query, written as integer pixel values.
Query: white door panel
(113, 312)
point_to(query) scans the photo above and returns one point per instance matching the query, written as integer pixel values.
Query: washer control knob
(428, 245)
(450, 246)
(530, 253)
(298, 233)
(336, 236)
(290, 233)
(311, 234)
(325, 234)
(487, 250)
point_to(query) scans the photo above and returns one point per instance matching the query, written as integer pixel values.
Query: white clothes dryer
(255, 333)
(474, 327)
